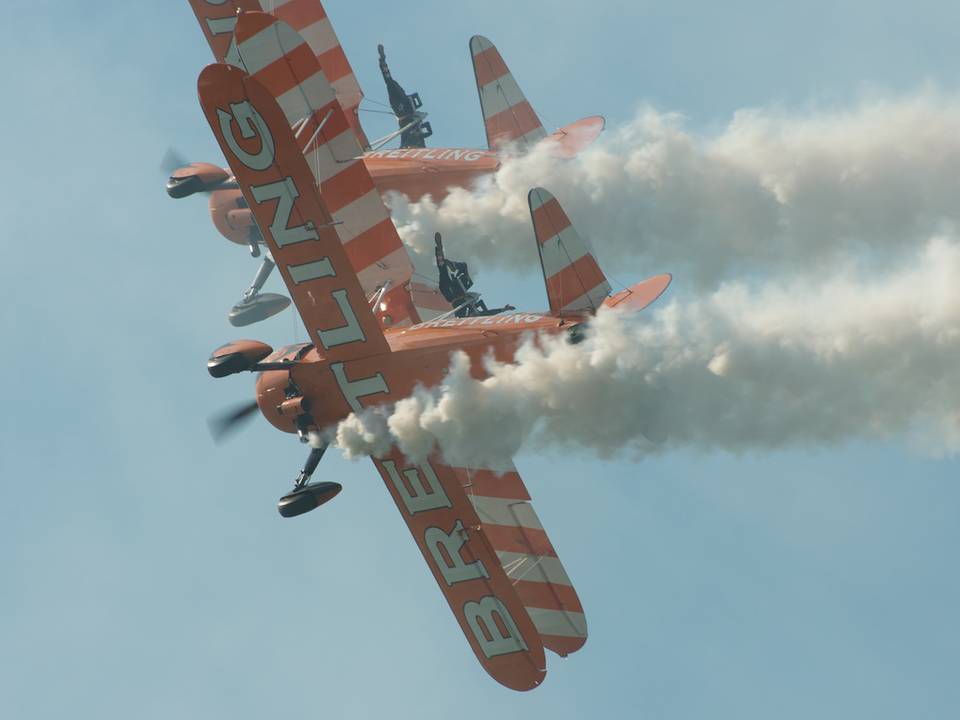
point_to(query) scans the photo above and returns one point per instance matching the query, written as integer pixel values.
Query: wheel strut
(309, 467)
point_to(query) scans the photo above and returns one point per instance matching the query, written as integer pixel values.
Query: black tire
(307, 498)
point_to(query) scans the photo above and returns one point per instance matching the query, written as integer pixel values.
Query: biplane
(413, 170)
(285, 134)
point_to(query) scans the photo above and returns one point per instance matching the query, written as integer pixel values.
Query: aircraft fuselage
(420, 355)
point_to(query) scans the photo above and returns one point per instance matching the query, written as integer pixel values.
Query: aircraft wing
(218, 19)
(278, 186)
(279, 57)
(514, 531)
(493, 561)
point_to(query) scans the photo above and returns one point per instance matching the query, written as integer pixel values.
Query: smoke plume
(769, 193)
(741, 368)
(816, 301)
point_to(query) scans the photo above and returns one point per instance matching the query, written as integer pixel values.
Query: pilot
(455, 284)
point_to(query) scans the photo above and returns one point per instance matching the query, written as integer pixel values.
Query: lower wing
(493, 562)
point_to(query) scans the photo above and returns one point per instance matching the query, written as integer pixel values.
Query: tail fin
(507, 116)
(574, 280)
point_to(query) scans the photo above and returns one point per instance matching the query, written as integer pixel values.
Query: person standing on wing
(455, 284)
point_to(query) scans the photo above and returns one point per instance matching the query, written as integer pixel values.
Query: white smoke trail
(768, 366)
(770, 192)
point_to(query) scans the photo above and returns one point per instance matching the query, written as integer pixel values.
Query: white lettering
(353, 391)
(285, 192)
(311, 271)
(473, 156)
(251, 124)
(452, 543)
(433, 496)
(351, 332)
(221, 26)
(489, 636)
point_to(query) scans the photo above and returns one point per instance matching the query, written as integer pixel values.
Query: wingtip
(479, 44)
(538, 197)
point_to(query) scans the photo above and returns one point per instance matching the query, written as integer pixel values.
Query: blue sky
(146, 572)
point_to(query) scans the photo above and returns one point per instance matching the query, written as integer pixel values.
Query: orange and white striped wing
(217, 19)
(283, 62)
(309, 19)
(507, 115)
(513, 530)
(272, 173)
(467, 569)
(574, 280)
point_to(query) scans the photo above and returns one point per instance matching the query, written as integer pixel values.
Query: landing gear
(254, 307)
(308, 496)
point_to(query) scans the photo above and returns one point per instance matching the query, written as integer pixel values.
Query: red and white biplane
(511, 126)
(285, 134)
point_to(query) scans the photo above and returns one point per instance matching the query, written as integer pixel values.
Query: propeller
(187, 178)
(226, 423)
(172, 160)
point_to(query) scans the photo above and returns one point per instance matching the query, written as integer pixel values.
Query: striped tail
(574, 280)
(515, 533)
(507, 116)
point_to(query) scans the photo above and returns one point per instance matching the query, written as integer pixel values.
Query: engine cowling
(236, 357)
(194, 178)
(279, 401)
(232, 217)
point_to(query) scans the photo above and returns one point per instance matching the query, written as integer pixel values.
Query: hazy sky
(146, 572)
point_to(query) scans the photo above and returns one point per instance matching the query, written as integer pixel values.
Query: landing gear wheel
(259, 308)
(307, 498)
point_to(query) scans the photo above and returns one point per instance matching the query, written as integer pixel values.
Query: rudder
(507, 116)
(574, 280)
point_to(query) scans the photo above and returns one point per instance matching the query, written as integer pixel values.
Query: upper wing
(507, 115)
(279, 58)
(310, 19)
(574, 280)
(279, 188)
(452, 539)
(218, 19)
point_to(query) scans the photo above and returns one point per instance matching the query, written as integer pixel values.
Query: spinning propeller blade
(172, 160)
(225, 423)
